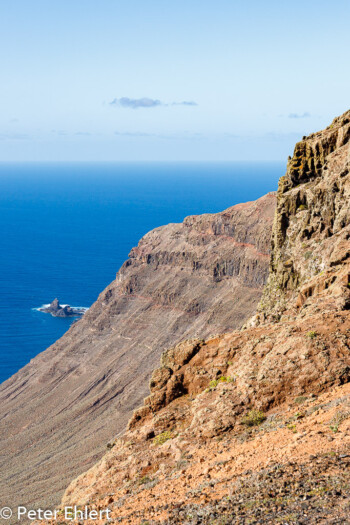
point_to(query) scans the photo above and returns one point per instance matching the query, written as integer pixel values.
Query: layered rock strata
(201, 277)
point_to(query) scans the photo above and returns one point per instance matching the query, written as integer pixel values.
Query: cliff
(201, 277)
(253, 426)
(311, 224)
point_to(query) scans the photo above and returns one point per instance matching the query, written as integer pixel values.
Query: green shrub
(144, 480)
(312, 334)
(162, 438)
(338, 418)
(253, 418)
(223, 379)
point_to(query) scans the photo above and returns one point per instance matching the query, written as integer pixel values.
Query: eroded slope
(201, 277)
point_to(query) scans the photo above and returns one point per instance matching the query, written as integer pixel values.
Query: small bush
(292, 427)
(337, 419)
(311, 334)
(253, 418)
(162, 438)
(302, 207)
(223, 379)
(144, 480)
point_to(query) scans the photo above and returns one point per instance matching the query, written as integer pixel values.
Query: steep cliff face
(253, 425)
(201, 277)
(311, 224)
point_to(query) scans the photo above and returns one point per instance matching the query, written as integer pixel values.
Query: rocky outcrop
(194, 279)
(311, 229)
(228, 415)
(57, 310)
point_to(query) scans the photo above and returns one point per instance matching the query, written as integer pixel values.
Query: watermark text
(67, 513)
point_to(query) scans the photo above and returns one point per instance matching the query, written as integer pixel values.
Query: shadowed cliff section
(201, 277)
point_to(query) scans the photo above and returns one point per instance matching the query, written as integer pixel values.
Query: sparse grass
(307, 255)
(144, 480)
(312, 334)
(286, 518)
(223, 379)
(331, 454)
(253, 418)
(337, 419)
(292, 427)
(162, 438)
(181, 464)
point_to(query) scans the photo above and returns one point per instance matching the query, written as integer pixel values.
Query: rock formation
(57, 310)
(253, 426)
(311, 229)
(201, 277)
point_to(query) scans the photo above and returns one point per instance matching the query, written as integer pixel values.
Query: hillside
(253, 426)
(201, 277)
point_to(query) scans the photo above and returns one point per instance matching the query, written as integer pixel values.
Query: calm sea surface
(65, 229)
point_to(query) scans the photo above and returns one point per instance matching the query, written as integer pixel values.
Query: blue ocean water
(65, 229)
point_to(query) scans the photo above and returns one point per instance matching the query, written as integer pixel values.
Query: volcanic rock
(57, 310)
(194, 279)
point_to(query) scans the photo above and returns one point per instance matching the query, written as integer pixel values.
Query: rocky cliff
(253, 426)
(311, 225)
(201, 277)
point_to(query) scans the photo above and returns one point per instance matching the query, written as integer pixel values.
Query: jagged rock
(311, 229)
(57, 310)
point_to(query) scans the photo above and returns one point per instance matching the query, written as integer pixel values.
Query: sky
(186, 80)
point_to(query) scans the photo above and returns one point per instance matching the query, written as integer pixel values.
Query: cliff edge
(253, 426)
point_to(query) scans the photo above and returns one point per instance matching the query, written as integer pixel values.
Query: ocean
(66, 229)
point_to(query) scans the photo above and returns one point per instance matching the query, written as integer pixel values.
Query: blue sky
(160, 80)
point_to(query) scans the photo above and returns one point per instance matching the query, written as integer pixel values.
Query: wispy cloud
(299, 115)
(14, 136)
(183, 103)
(145, 102)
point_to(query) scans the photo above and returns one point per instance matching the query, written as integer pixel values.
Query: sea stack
(57, 310)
